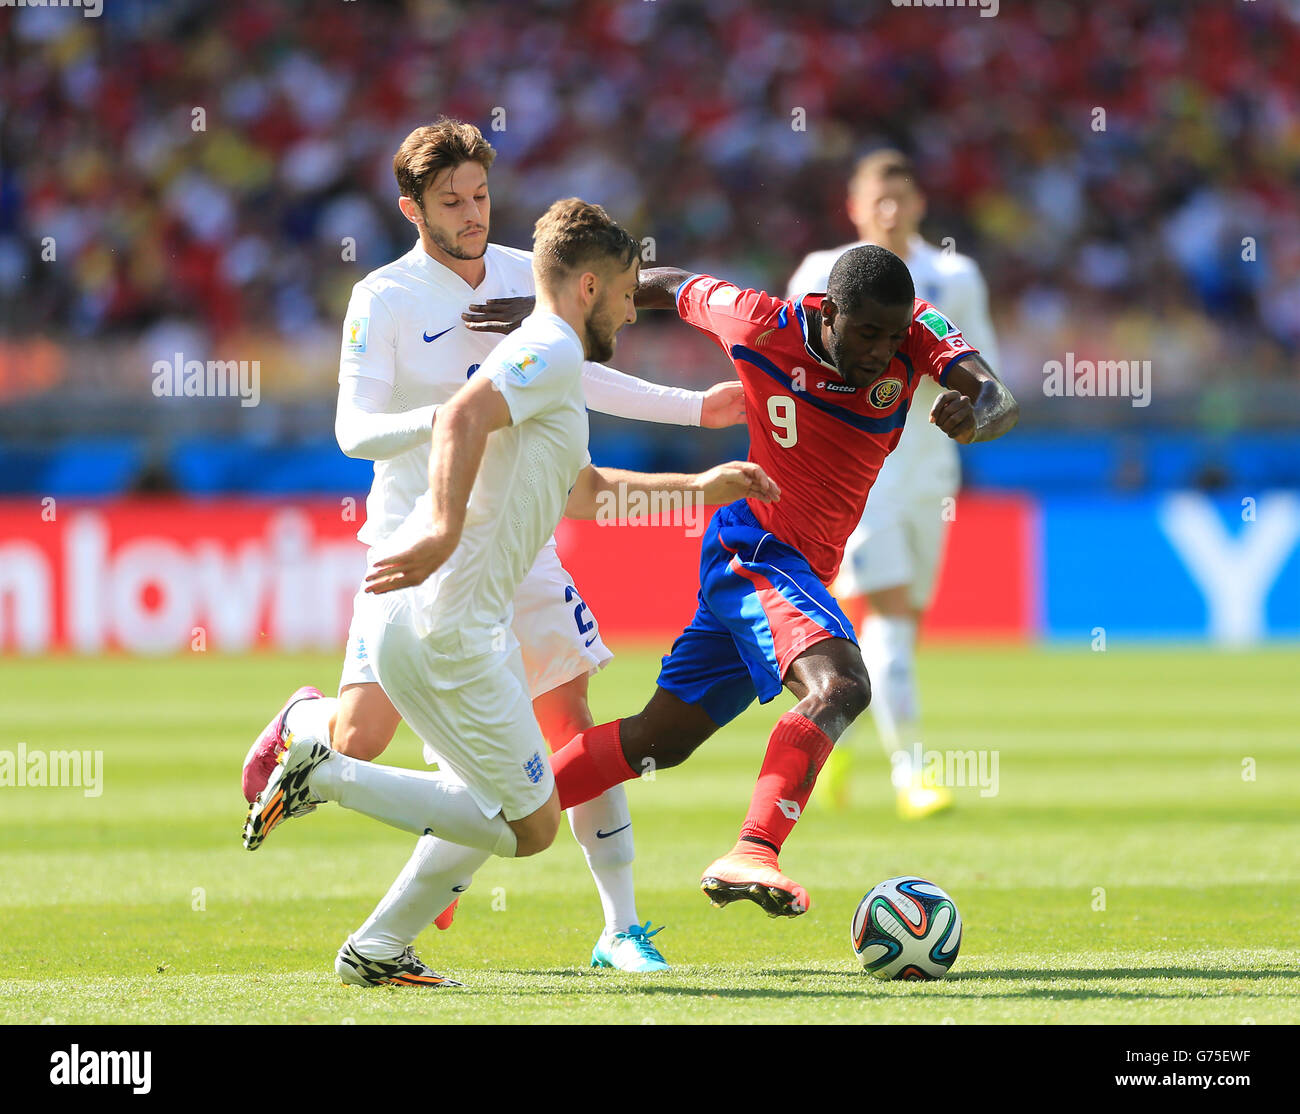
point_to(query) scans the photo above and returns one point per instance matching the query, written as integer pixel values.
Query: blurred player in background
(892, 559)
(410, 341)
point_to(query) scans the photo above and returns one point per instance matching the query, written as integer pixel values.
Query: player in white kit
(508, 458)
(409, 342)
(892, 559)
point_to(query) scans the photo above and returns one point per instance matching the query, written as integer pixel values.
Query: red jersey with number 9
(821, 440)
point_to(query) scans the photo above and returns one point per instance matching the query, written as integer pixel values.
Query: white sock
(888, 650)
(609, 856)
(414, 801)
(310, 719)
(436, 874)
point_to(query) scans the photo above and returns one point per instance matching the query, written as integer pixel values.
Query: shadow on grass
(611, 982)
(1057, 974)
(857, 985)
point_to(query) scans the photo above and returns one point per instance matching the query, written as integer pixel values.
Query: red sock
(589, 763)
(795, 754)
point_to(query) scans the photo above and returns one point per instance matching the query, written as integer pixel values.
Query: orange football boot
(751, 871)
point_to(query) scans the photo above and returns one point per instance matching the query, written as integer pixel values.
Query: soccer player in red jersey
(828, 380)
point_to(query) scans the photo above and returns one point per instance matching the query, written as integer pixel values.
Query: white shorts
(469, 704)
(896, 544)
(558, 635)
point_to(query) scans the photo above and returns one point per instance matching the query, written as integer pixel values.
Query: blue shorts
(760, 607)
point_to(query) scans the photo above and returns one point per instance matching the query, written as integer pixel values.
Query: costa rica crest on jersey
(885, 392)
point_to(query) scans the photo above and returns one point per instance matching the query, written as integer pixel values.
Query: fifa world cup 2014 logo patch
(526, 367)
(357, 331)
(885, 393)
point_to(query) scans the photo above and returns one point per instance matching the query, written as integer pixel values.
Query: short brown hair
(884, 163)
(433, 148)
(574, 232)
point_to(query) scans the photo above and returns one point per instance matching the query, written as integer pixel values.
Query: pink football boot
(260, 760)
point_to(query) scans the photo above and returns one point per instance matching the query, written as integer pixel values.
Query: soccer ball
(906, 928)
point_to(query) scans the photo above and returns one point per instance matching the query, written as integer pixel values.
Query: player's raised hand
(954, 413)
(724, 405)
(498, 315)
(412, 566)
(737, 479)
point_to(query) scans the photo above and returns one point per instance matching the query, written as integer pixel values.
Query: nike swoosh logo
(606, 835)
(459, 889)
(591, 640)
(430, 339)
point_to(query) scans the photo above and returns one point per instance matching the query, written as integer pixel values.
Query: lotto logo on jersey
(939, 325)
(885, 393)
(358, 327)
(534, 768)
(526, 366)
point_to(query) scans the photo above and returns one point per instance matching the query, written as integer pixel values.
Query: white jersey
(925, 461)
(404, 328)
(519, 495)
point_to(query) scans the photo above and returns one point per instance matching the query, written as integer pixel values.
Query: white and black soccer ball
(906, 928)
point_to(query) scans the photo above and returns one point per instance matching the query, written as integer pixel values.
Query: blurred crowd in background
(1126, 174)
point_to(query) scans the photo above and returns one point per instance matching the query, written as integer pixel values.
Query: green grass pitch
(1138, 863)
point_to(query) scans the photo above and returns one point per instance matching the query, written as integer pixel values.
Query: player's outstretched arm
(460, 432)
(657, 288)
(978, 408)
(617, 393)
(604, 489)
(625, 396)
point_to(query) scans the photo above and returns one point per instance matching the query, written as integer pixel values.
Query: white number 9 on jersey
(780, 409)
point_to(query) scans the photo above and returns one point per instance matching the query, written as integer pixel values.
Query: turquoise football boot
(632, 950)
